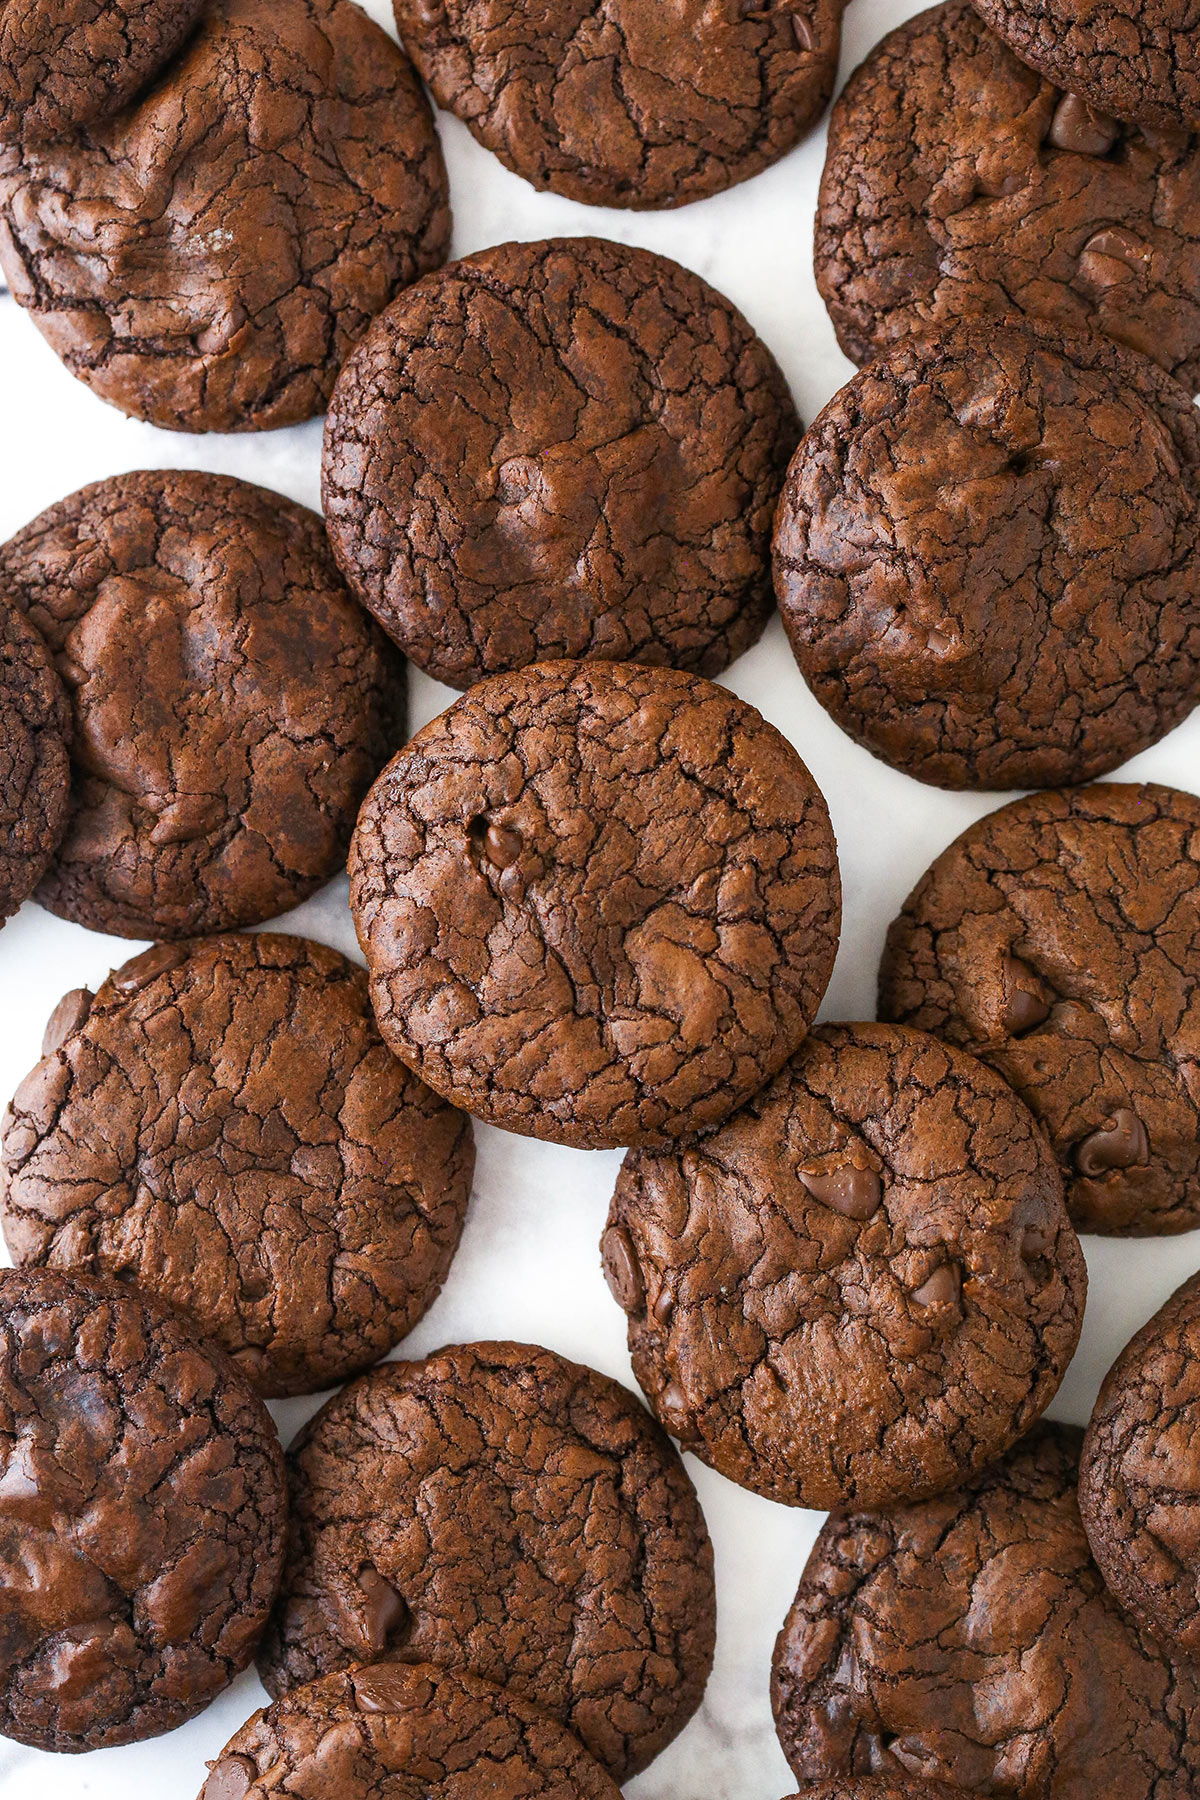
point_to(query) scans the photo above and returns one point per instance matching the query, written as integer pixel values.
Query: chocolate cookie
(216, 781)
(971, 1639)
(405, 1732)
(1058, 939)
(500, 1509)
(207, 258)
(223, 1126)
(959, 183)
(562, 449)
(871, 1787)
(35, 729)
(1136, 59)
(599, 903)
(628, 102)
(67, 64)
(1139, 1480)
(141, 1515)
(864, 1286)
(987, 556)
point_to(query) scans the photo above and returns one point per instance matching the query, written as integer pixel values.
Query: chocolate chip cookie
(1057, 939)
(870, 1787)
(35, 771)
(223, 1126)
(69, 64)
(400, 1731)
(628, 102)
(959, 183)
(864, 1286)
(987, 556)
(207, 258)
(570, 448)
(500, 1509)
(216, 781)
(599, 903)
(972, 1638)
(1139, 1480)
(141, 1515)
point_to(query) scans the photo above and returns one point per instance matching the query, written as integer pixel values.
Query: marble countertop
(528, 1267)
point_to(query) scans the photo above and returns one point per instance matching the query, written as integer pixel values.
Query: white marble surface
(528, 1267)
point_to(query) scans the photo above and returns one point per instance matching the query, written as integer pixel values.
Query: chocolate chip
(143, 969)
(384, 1610)
(231, 1779)
(1119, 246)
(1121, 1143)
(1079, 127)
(1036, 1241)
(803, 31)
(67, 1017)
(386, 1688)
(942, 1288)
(664, 1306)
(621, 1269)
(853, 1192)
(1023, 1006)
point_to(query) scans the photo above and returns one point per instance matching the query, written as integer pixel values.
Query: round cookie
(216, 781)
(401, 1731)
(972, 1639)
(860, 1289)
(599, 903)
(141, 1515)
(958, 183)
(874, 1787)
(561, 449)
(500, 1509)
(628, 102)
(207, 258)
(223, 1126)
(1139, 1479)
(1057, 939)
(987, 556)
(35, 770)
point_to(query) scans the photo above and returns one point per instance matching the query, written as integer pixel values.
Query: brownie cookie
(500, 1509)
(971, 1639)
(223, 1126)
(864, 1286)
(599, 903)
(987, 556)
(1059, 939)
(216, 781)
(1139, 1481)
(960, 183)
(561, 449)
(207, 258)
(628, 102)
(35, 770)
(400, 1731)
(141, 1515)
(873, 1787)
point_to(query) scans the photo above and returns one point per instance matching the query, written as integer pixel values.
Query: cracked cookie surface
(216, 782)
(1059, 940)
(629, 102)
(987, 556)
(872, 1787)
(68, 64)
(497, 1508)
(207, 258)
(35, 769)
(599, 902)
(559, 449)
(1139, 1480)
(971, 1639)
(958, 183)
(222, 1125)
(863, 1286)
(141, 1515)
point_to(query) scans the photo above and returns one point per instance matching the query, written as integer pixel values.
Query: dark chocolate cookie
(864, 1286)
(599, 903)
(232, 702)
(1135, 59)
(959, 183)
(569, 448)
(868, 1787)
(1139, 1480)
(500, 1509)
(141, 1515)
(971, 1639)
(67, 64)
(35, 770)
(1059, 939)
(207, 258)
(987, 556)
(223, 1126)
(403, 1731)
(629, 102)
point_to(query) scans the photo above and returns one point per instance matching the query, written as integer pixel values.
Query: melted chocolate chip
(231, 1779)
(67, 1017)
(664, 1306)
(384, 1610)
(1079, 127)
(942, 1288)
(803, 32)
(853, 1192)
(621, 1269)
(142, 970)
(1023, 1006)
(1121, 1143)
